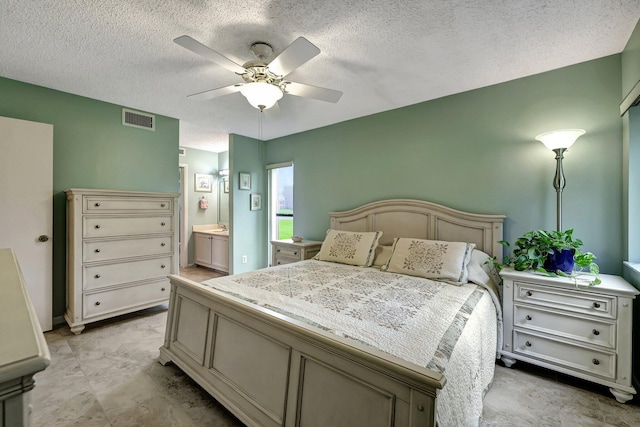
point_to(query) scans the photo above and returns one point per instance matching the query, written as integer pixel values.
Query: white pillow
(432, 259)
(481, 271)
(383, 253)
(349, 247)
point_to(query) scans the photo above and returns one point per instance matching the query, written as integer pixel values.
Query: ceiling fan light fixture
(261, 95)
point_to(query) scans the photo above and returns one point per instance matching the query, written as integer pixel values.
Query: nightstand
(580, 331)
(286, 251)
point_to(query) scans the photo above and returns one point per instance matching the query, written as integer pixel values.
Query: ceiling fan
(264, 82)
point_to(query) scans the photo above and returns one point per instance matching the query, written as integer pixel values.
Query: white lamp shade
(261, 95)
(560, 138)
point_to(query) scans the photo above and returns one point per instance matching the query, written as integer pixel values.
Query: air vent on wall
(138, 119)
(182, 151)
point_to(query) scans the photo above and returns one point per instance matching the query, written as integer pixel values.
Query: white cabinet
(577, 330)
(212, 250)
(121, 247)
(285, 251)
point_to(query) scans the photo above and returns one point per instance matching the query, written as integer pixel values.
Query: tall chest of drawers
(577, 330)
(121, 245)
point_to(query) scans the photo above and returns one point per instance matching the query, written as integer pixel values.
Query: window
(281, 201)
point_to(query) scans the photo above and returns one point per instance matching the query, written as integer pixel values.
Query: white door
(26, 206)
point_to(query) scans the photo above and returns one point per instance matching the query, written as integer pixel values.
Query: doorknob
(43, 238)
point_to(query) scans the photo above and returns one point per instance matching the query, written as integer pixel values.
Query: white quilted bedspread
(449, 329)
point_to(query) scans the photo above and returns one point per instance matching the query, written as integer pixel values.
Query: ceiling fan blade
(296, 54)
(208, 53)
(214, 93)
(315, 92)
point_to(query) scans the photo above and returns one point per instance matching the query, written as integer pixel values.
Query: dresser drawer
(100, 276)
(115, 249)
(109, 204)
(574, 301)
(124, 299)
(584, 359)
(125, 226)
(568, 325)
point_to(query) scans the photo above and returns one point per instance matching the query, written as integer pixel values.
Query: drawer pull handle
(162, 266)
(163, 244)
(528, 317)
(596, 305)
(97, 251)
(595, 361)
(162, 224)
(278, 262)
(97, 276)
(97, 225)
(278, 250)
(529, 293)
(97, 205)
(97, 302)
(595, 332)
(296, 253)
(162, 205)
(528, 344)
(162, 289)
(420, 407)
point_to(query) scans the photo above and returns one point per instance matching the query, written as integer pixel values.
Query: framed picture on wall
(256, 202)
(225, 184)
(203, 183)
(245, 181)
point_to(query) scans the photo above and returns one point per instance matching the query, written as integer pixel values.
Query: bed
(299, 364)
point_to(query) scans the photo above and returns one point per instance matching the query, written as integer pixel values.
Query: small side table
(286, 251)
(579, 331)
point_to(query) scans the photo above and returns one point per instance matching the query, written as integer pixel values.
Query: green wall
(248, 228)
(631, 150)
(206, 162)
(631, 183)
(631, 61)
(91, 149)
(476, 151)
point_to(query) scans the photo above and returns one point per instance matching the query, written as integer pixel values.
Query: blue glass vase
(560, 260)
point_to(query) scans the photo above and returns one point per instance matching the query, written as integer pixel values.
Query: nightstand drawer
(574, 301)
(288, 252)
(567, 325)
(282, 260)
(584, 359)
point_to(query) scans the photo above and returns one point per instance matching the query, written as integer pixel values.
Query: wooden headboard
(423, 220)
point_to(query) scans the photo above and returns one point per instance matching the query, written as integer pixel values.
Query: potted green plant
(554, 253)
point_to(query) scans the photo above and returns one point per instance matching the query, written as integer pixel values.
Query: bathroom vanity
(211, 247)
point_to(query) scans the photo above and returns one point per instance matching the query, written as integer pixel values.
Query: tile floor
(109, 376)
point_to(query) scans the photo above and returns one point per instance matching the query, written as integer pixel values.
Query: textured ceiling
(383, 54)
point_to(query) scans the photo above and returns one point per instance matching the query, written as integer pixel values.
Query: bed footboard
(271, 370)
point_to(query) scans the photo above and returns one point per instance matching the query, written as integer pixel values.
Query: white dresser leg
(508, 361)
(621, 396)
(77, 329)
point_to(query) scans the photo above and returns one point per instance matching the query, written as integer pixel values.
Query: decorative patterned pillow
(349, 247)
(432, 259)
